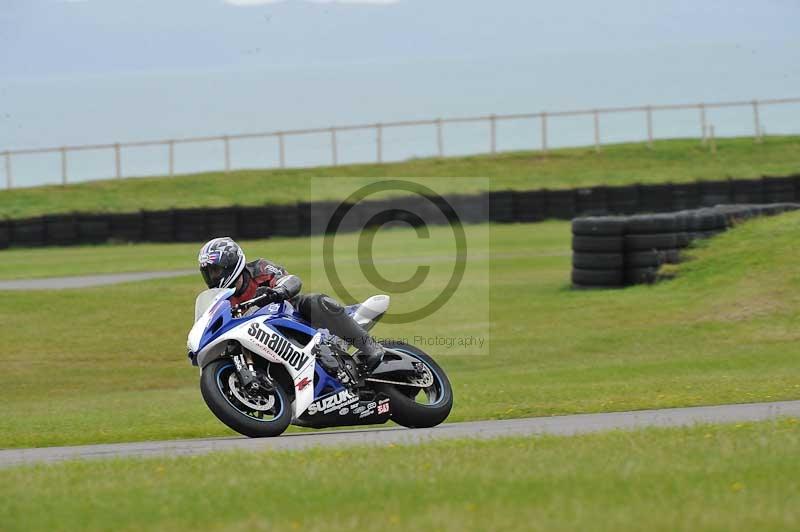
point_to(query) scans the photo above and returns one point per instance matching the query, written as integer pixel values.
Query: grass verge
(677, 160)
(107, 364)
(723, 477)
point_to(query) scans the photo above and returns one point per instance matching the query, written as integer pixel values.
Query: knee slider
(330, 305)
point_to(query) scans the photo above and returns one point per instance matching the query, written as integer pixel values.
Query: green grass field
(728, 477)
(671, 160)
(108, 364)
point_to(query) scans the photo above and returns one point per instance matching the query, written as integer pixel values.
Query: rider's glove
(271, 294)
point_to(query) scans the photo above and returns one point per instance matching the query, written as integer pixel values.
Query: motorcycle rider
(223, 265)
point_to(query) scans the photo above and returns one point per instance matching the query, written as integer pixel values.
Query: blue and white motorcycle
(263, 368)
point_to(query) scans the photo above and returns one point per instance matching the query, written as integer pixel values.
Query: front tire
(405, 409)
(227, 404)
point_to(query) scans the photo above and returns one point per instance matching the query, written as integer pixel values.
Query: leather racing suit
(320, 310)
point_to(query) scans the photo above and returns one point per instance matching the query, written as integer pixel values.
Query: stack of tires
(597, 251)
(773, 208)
(613, 251)
(705, 223)
(652, 241)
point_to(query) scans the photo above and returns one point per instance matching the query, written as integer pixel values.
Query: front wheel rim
(226, 374)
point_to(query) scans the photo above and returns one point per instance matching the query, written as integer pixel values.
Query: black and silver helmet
(221, 262)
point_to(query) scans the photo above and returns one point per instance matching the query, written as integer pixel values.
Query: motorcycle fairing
(359, 412)
(216, 327)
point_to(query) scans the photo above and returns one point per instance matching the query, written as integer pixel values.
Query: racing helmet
(221, 262)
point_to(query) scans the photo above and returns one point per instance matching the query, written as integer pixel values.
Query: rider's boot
(372, 352)
(335, 319)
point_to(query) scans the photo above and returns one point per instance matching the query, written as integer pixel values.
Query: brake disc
(258, 403)
(425, 379)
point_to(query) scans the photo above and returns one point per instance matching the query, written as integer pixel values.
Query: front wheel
(257, 415)
(416, 407)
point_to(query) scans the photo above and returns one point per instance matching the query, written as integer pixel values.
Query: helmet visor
(212, 274)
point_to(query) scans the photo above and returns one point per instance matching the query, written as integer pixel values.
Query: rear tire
(213, 387)
(404, 409)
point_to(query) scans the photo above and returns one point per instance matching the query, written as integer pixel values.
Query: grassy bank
(108, 364)
(727, 477)
(670, 160)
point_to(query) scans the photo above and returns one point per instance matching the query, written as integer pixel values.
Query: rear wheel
(414, 406)
(266, 412)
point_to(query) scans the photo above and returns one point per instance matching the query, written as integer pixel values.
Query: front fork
(246, 370)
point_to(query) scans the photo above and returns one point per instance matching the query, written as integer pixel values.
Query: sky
(47, 38)
(101, 71)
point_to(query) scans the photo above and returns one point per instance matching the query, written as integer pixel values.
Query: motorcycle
(263, 368)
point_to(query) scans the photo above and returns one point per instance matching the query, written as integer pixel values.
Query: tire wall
(614, 251)
(303, 219)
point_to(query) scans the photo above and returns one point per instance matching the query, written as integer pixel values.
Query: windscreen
(205, 299)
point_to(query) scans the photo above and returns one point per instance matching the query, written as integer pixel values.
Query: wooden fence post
(703, 126)
(439, 137)
(63, 166)
(9, 178)
(493, 134)
(171, 158)
(544, 132)
(334, 148)
(227, 143)
(596, 131)
(757, 121)
(379, 142)
(117, 161)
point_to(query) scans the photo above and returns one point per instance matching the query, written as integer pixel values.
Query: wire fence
(545, 119)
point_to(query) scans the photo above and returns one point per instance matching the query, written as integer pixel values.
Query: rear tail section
(368, 313)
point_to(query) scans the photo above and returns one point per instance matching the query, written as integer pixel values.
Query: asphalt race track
(557, 425)
(85, 281)
(103, 279)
